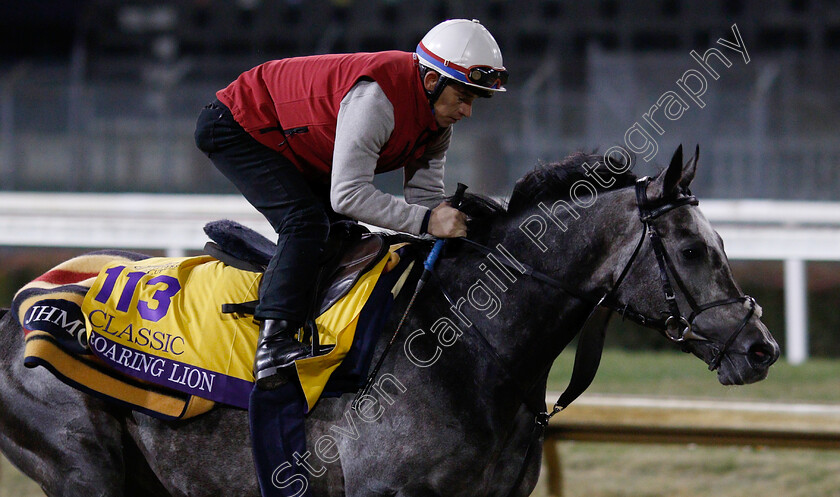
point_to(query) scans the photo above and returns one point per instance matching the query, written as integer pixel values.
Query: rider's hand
(447, 222)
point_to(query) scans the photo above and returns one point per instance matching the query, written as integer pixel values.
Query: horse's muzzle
(750, 360)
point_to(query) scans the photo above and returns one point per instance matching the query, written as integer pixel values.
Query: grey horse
(451, 411)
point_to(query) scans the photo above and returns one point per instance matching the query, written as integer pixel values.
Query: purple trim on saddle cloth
(172, 374)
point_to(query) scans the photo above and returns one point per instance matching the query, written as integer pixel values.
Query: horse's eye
(692, 253)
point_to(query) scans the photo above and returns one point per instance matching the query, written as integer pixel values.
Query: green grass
(14, 484)
(619, 470)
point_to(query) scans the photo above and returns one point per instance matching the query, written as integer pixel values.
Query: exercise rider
(302, 137)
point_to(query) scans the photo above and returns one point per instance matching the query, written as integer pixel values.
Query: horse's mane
(555, 180)
(547, 180)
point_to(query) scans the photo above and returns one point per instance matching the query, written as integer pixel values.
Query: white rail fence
(793, 232)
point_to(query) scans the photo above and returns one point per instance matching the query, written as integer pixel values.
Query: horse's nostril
(762, 355)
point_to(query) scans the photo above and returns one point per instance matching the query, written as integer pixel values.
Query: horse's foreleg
(63, 452)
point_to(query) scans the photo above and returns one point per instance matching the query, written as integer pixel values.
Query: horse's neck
(524, 322)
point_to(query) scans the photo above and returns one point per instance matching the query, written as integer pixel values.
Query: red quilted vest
(291, 105)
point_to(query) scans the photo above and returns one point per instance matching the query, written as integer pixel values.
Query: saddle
(351, 251)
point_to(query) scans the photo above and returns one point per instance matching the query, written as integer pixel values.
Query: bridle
(676, 327)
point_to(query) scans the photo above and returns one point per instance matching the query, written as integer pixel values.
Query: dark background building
(102, 95)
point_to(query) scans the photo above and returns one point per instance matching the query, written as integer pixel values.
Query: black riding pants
(273, 185)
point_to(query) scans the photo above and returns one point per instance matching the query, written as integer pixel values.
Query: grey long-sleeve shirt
(365, 122)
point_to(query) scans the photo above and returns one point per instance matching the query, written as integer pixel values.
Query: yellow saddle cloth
(158, 325)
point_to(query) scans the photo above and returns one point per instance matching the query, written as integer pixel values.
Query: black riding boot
(277, 350)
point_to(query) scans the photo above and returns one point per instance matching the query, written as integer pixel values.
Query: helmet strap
(434, 94)
(438, 89)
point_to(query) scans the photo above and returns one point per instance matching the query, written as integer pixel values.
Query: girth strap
(241, 307)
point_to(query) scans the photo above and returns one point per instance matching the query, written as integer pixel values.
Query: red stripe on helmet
(447, 63)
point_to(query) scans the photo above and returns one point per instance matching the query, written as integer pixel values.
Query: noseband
(676, 327)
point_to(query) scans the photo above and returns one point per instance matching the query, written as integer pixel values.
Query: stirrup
(274, 377)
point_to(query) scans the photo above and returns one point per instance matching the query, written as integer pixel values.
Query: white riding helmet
(466, 52)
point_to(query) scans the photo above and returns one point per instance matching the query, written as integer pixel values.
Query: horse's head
(673, 274)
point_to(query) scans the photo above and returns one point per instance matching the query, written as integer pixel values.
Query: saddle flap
(358, 257)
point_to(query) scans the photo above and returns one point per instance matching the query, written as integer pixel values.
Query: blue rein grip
(431, 259)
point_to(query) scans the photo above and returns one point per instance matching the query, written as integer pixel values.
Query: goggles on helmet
(487, 77)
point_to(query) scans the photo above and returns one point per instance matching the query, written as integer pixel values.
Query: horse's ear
(666, 183)
(690, 169)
